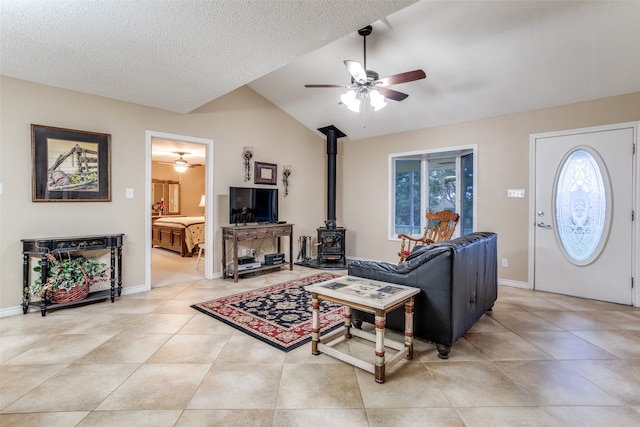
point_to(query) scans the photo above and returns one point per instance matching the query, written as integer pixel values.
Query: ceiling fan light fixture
(376, 100)
(351, 100)
(180, 168)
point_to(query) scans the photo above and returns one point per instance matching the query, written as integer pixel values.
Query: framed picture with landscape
(70, 165)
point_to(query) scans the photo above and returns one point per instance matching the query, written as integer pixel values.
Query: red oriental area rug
(279, 315)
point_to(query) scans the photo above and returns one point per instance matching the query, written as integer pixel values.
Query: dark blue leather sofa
(459, 283)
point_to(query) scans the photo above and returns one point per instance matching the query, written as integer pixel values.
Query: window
(582, 210)
(431, 181)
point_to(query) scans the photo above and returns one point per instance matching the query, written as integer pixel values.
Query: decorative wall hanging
(266, 173)
(247, 154)
(286, 172)
(70, 165)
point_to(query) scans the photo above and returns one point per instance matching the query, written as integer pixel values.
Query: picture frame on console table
(70, 165)
(266, 173)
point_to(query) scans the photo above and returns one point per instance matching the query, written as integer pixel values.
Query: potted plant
(68, 278)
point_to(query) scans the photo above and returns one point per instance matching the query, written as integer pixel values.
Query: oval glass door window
(582, 208)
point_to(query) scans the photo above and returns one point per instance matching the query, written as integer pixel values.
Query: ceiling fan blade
(326, 85)
(405, 77)
(356, 70)
(392, 94)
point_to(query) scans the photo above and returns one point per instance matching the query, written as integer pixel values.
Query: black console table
(72, 244)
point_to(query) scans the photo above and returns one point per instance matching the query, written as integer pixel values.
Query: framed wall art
(266, 173)
(70, 165)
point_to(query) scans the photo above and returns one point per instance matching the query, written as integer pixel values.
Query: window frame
(425, 156)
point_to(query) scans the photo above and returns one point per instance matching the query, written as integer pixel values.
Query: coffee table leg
(408, 327)
(381, 320)
(347, 321)
(315, 326)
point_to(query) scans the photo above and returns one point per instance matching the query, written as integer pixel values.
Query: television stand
(239, 233)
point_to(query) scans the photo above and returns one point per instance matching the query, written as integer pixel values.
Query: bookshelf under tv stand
(239, 233)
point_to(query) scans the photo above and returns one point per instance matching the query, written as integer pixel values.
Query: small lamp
(247, 154)
(201, 201)
(286, 171)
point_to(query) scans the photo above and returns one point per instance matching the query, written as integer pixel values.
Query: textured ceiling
(173, 55)
(482, 58)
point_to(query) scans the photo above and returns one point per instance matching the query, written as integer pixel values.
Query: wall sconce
(286, 171)
(247, 154)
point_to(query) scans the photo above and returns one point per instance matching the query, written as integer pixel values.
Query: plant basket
(76, 293)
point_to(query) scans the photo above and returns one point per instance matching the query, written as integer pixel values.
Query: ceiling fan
(366, 84)
(181, 164)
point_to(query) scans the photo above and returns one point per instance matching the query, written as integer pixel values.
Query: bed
(178, 234)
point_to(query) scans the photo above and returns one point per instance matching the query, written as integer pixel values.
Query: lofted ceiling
(482, 58)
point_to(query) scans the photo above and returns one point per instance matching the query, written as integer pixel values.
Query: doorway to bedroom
(177, 226)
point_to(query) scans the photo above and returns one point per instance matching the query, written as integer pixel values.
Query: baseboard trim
(514, 284)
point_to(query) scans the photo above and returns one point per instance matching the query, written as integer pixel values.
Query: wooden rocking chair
(440, 226)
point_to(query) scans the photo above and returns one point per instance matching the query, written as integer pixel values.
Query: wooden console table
(238, 233)
(72, 244)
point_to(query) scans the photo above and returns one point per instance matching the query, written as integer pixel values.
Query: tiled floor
(150, 360)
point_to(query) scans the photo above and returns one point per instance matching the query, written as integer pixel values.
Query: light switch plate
(519, 192)
(129, 193)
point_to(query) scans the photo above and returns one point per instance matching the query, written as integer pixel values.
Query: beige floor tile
(462, 350)
(507, 417)
(201, 324)
(241, 348)
(59, 349)
(320, 418)
(17, 380)
(69, 389)
(562, 345)
(533, 303)
(467, 384)
(226, 418)
(487, 323)
(126, 348)
(505, 346)
(533, 348)
(190, 349)
(553, 384)
(163, 323)
(424, 417)
(620, 378)
(157, 387)
(13, 345)
(595, 416)
(50, 419)
(131, 418)
(313, 386)
(406, 386)
(623, 344)
(128, 304)
(573, 320)
(238, 386)
(522, 321)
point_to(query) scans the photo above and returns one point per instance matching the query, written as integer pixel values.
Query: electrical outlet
(505, 262)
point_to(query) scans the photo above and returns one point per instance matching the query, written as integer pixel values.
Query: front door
(583, 212)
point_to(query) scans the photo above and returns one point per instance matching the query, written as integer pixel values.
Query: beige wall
(237, 119)
(244, 118)
(503, 162)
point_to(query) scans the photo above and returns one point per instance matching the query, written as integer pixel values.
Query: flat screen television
(253, 205)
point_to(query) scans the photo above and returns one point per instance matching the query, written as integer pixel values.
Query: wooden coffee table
(370, 296)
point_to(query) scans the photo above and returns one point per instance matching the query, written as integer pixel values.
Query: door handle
(543, 225)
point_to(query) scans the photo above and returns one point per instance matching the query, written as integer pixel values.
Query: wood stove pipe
(332, 133)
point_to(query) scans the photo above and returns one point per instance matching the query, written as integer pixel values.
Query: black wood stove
(331, 239)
